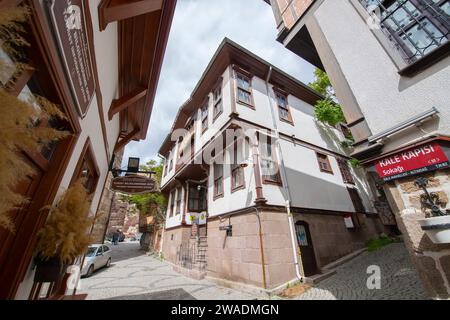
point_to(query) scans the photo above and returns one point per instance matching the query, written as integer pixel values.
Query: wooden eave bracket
(127, 100)
(125, 140)
(116, 10)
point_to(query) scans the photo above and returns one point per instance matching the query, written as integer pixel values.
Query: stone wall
(103, 211)
(238, 258)
(431, 260)
(332, 240)
(173, 238)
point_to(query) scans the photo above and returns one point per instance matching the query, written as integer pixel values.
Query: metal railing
(192, 255)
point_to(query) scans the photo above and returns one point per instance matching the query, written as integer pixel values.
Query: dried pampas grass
(21, 123)
(66, 233)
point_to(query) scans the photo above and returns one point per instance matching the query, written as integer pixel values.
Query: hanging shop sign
(133, 184)
(427, 157)
(69, 24)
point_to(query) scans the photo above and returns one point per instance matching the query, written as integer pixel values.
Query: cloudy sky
(198, 28)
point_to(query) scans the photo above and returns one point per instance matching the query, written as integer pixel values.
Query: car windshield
(91, 251)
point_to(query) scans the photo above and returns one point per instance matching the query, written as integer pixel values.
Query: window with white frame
(269, 165)
(218, 180)
(244, 89)
(217, 101)
(237, 171)
(204, 117)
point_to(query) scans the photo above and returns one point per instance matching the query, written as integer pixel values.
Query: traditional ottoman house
(265, 207)
(390, 67)
(99, 61)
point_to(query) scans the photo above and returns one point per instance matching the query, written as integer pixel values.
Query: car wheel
(108, 263)
(90, 271)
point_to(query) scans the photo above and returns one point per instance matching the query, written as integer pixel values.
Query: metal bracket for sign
(429, 199)
(115, 172)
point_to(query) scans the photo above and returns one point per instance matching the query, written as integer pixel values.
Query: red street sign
(133, 184)
(412, 161)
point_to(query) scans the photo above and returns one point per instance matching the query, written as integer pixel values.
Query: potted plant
(65, 236)
(437, 222)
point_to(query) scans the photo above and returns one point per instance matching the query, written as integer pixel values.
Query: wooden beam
(116, 10)
(124, 141)
(124, 102)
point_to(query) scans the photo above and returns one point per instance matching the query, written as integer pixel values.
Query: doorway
(306, 248)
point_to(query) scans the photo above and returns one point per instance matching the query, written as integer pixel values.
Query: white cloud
(198, 28)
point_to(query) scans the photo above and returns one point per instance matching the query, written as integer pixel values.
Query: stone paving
(135, 275)
(399, 280)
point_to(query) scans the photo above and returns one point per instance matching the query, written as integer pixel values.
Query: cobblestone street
(134, 275)
(137, 276)
(399, 279)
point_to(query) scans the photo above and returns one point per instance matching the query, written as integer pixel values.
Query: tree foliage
(143, 201)
(327, 110)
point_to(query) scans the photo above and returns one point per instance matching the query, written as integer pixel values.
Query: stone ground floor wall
(431, 260)
(332, 240)
(173, 238)
(238, 257)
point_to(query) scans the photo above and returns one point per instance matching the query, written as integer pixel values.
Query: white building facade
(257, 149)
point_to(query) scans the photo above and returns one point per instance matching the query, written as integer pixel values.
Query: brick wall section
(292, 10)
(431, 260)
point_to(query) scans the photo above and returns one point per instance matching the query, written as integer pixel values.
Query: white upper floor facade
(308, 154)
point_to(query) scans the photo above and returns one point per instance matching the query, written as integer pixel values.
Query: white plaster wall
(176, 219)
(309, 187)
(106, 51)
(304, 125)
(385, 97)
(231, 201)
(213, 126)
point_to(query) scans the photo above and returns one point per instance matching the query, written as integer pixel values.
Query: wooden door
(306, 248)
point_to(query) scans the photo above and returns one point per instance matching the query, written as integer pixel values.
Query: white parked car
(97, 256)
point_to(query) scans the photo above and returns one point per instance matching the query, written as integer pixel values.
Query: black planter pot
(50, 270)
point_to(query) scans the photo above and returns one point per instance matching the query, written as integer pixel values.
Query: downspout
(295, 247)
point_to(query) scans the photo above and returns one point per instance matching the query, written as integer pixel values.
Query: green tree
(327, 110)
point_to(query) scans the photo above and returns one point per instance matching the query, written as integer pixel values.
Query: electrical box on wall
(228, 229)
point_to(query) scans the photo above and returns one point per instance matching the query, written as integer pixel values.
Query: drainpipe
(285, 182)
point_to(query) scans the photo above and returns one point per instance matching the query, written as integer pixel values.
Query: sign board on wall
(413, 161)
(133, 184)
(69, 24)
